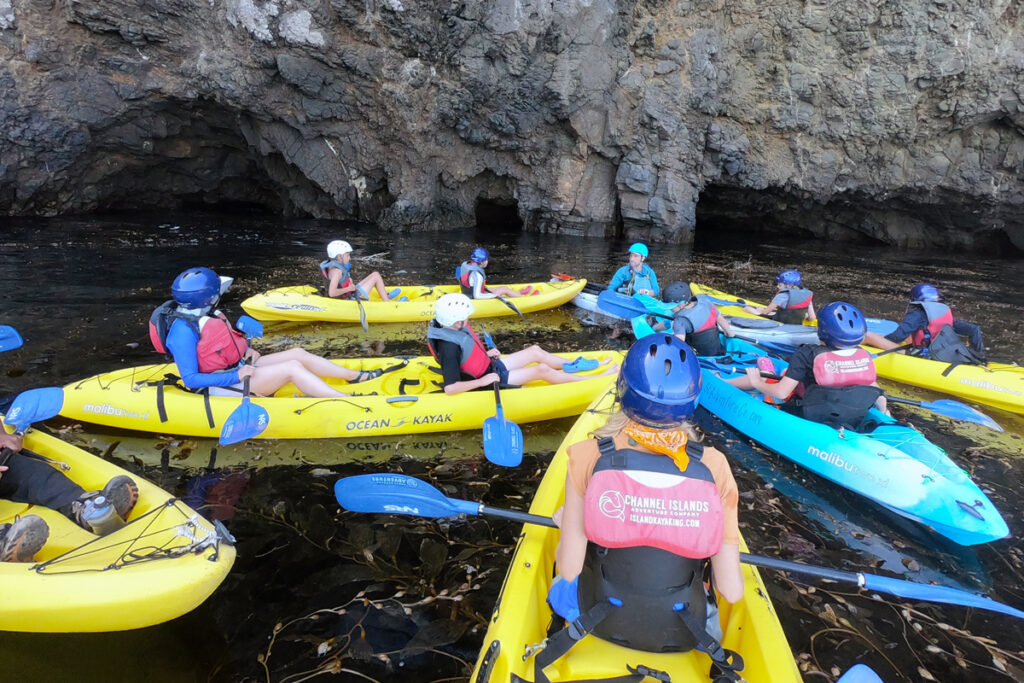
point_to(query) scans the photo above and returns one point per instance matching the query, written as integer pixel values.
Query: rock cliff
(896, 122)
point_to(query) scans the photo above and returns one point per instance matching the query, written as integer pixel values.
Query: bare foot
(612, 370)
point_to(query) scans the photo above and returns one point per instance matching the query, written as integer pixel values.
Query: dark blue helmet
(196, 288)
(660, 381)
(479, 255)
(924, 293)
(841, 325)
(789, 277)
(678, 292)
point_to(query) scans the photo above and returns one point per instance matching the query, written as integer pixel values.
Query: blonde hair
(618, 419)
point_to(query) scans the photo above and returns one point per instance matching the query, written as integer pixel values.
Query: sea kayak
(162, 564)
(893, 464)
(305, 303)
(405, 399)
(1000, 385)
(522, 616)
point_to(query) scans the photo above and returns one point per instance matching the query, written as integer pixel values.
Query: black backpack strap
(724, 663)
(694, 449)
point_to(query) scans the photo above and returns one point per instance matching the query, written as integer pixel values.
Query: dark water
(316, 591)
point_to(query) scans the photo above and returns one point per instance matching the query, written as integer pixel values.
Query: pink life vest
(220, 347)
(844, 368)
(939, 315)
(643, 499)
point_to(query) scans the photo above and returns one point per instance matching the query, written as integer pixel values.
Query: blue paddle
(31, 406)
(503, 439)
(9, 338)
(860, 673)
(401, 494)
(246, 421)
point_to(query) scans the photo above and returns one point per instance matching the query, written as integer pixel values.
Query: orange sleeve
(582, 458)
(727, 490)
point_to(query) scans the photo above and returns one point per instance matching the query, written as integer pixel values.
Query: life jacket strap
(725, 663)
(174, 380)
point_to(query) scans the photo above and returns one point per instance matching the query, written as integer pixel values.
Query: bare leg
(551, 376)
(374, 281)
(535, 354)
(321, 367)
(267, 379)
(502, 290)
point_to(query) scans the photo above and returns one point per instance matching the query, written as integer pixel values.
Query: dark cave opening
(498, 215)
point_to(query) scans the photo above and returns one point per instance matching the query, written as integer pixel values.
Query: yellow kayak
(404, 400)
(162, 564)
(521, 617)
(1000, 385)
(305, 303)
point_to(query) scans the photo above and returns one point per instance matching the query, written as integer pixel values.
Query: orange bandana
(670, 442)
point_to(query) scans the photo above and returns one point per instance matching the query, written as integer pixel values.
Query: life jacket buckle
(531, 650)
(576, 629)
(647, 671)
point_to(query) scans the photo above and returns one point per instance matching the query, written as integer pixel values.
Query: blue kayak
(893, 464)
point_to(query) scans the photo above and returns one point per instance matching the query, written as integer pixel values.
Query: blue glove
(563, 599)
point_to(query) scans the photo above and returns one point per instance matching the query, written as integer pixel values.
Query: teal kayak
(893, 464)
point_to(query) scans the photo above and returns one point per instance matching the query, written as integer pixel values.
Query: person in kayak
(473, 279)
(834, 381)
(211, 354)
(698, 322)
(338, 271)
(647, 508)
(26, 479)
(929, 326)
(466, 364)
(792, 304)
(636, 277)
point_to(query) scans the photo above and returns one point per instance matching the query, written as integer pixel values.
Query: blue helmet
(639, 248)
(196, 288)
(841, 325)
(479, 255)
(789, 277)
(924, 293)
(660, 381)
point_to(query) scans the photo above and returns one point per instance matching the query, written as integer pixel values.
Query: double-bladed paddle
(510, 305)
(944, 406)
(9, 338)
(31, 406)
(248, 419)
(404, 495)
(503, 439)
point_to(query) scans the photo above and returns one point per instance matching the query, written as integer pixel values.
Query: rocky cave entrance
(724, 213)
(498, 215)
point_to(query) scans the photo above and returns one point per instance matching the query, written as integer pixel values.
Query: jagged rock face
(896, 122)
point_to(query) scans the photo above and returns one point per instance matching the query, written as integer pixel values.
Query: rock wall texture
(901, 122)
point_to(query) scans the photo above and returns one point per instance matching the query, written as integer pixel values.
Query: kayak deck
(406, 399)
(163, 563)
(306, 303)
(521, 616)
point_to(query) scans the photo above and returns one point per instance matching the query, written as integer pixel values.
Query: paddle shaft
(509, 304)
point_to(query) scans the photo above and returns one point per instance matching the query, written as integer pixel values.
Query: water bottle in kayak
(100, 515)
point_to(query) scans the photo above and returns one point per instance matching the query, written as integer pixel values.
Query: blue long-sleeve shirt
(916, 319)
(182, 340)
(623, 275)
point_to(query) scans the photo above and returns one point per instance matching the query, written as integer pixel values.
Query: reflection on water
(318, 590)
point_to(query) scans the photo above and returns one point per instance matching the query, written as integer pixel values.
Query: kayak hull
(894, 465)
(521, 617)
(85, 583)
(304, 303)
(405, 400)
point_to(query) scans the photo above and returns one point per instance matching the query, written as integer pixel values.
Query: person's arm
(476, 280)
(973, 334)
(619, 279)
(781, 389)
(12, 441)
(725, 564)
(448, 356)
(811, 315)
(727, 573)
(181, 342)
(334, 288)
(770, 309)
(572, 543)
(914, 320)
(655, 289)
(724, 326)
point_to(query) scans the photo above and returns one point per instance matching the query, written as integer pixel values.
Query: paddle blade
(34, 405)
(394, 494)
(250, 327)
(503, 441)
(247, 421)
(362, 314)
(944, 594)
(9, 338)
(860, 673)
(961, 411)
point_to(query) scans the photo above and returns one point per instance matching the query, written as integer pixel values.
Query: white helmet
(452, 308)
(337, 248)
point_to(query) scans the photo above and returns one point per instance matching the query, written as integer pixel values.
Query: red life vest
(643, 499)
(464, 271)
(220, 347)
(939, 315)
(844, 368)
(796, 306)
(702, 319)
(473, 360)
(346, 270)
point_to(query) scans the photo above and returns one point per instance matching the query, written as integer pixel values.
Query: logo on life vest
(837, 367)
(612, 505)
